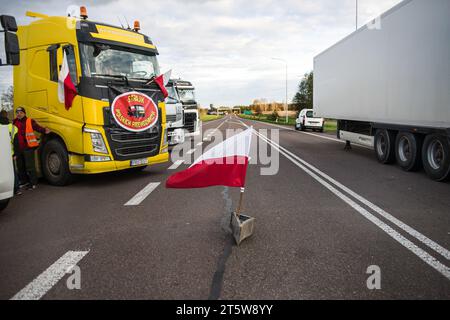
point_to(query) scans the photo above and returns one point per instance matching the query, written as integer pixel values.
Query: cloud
(225, 47)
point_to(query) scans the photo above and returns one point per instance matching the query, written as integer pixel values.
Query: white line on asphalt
(199, 144)
(190, 151)
(423, 255)
(47, 279)
(416, 234)
(176, 164)
(138, 198)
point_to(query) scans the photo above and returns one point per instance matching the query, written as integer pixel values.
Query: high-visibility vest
(32, 140)
(12, 133)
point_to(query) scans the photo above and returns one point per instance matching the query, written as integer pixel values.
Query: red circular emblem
(134, 111)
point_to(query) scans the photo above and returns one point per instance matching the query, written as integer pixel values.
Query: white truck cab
(306, 120)
(6, 168)
(186, 93)
(174, 116)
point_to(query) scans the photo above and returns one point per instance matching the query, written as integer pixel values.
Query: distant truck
(186, 94)
(174, 116)
(388, 85)
(116, 121)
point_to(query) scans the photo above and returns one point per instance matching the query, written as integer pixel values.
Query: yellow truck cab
(116, 120)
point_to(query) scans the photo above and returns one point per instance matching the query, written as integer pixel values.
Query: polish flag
(66, 89)
(223, 165)
(162, 81)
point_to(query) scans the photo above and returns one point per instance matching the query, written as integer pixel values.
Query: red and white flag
(162, 81)
(66, 89)
(223, 165)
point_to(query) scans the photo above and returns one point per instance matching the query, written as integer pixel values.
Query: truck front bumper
(79, 165)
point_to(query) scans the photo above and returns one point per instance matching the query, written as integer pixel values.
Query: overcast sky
(225, 46)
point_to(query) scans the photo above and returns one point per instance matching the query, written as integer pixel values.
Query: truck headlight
(98, 144)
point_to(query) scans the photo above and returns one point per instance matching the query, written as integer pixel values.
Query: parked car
(306, 120)
(6, 168)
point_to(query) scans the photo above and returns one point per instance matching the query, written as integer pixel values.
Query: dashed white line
(199, 144)
(190, 151)
(47, 279)
(138, 198)
(176, 164)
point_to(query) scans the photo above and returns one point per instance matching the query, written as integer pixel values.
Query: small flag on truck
(162, 81)
(66, 89)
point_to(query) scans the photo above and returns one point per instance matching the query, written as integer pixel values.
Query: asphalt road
(323, 219)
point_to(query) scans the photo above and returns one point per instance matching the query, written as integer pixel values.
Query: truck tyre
(55, 163)
(408, 151)
(384, 146)
(436, 157)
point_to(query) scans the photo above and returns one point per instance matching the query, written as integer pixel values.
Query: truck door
(37, 83)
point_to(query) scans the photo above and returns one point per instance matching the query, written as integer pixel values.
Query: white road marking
(138, 198)
(416, 234)
(199, 144)
(190, 151)
(47, 279)
(176, 164)
(430, 260)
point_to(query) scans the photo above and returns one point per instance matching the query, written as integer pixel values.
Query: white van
(306, 120)
(6, 168)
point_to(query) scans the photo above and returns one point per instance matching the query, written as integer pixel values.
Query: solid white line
(47, 279)
(190, 151)
(416, 234)
(423, 255)
(176, 164)
(138, 198)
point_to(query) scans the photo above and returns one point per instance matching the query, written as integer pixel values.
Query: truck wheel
(436, 157)
(408, 151)
(384, 146)
(55, 163)
(3, 204)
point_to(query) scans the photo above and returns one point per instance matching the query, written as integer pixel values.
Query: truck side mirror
(12, 49)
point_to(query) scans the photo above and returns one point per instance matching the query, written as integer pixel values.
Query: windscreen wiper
(116, 76)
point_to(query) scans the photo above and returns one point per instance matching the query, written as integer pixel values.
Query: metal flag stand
(241, 225)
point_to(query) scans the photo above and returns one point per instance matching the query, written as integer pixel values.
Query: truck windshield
(172, 97)
(102, 61)
(309, 114)
(186, 94)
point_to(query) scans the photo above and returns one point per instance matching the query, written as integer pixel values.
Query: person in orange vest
(24, 150)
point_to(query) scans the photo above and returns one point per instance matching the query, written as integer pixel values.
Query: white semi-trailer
(388, 85)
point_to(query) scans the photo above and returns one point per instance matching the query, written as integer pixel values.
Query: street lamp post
(286, 107)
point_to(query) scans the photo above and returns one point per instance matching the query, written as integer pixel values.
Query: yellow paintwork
(34, 90)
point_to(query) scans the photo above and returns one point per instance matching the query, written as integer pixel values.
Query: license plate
(139, 162)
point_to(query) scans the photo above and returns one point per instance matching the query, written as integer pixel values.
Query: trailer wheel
(436, 157)
(408, 151)
(55, 163)
(384, 146)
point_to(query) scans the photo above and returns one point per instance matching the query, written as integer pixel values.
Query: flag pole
(238, 211)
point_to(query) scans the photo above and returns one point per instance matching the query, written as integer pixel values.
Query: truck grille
(136, 150)
(127, 145)
(171, 118)
(189, 121)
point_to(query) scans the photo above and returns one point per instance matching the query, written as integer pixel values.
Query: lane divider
(176, 164)
(50, 277)
(141, 195)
